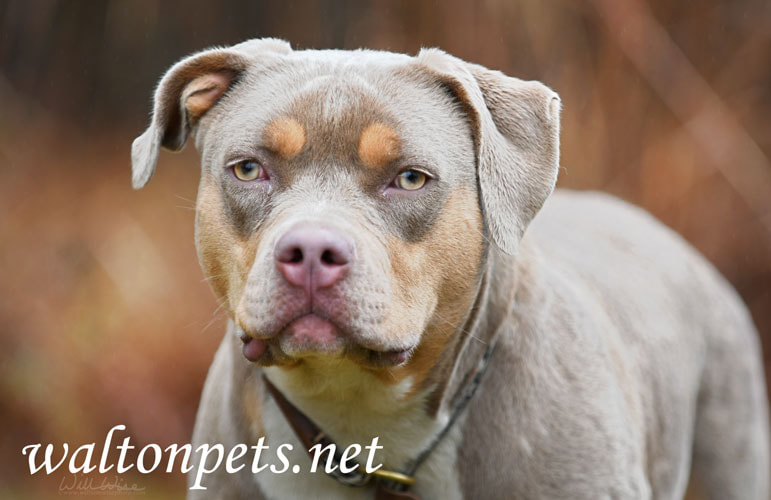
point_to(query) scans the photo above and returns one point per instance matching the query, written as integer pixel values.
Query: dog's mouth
(312, 335)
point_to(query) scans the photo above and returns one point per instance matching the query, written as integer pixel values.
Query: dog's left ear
(186, 92)
(516, 133)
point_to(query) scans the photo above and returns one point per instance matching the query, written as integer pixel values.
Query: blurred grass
(104, 317)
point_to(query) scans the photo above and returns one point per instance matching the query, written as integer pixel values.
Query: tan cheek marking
(225, 258)
(285, 137)
(378, 145)
(458, 233)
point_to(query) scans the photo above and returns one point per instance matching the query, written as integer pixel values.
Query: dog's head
(347, 199)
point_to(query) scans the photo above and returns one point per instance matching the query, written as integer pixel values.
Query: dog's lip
(369, 355)
(254, 349)
(395, 357)
(314, 331)
(303, 334)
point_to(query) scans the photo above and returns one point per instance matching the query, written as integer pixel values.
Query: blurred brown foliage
(104, 315)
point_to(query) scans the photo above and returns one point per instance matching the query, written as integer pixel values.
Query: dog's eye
(411, 180)
(248, 170)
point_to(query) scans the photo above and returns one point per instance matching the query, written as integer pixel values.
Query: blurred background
(104, 317)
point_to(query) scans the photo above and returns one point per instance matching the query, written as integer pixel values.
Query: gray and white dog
(362, 217)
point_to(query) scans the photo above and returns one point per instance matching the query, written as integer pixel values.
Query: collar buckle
(393, 476)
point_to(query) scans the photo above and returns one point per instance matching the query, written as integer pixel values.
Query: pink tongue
(254, 349)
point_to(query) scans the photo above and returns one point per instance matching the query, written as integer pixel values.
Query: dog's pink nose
(313, 256)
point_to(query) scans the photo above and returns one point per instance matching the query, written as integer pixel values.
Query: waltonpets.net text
(212, 457)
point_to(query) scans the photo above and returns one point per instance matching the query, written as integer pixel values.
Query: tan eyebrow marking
(285, 136)
(378, 145)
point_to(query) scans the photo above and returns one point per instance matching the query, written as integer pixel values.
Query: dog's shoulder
(597, 237)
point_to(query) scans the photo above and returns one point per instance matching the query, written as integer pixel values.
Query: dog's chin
(314, 337)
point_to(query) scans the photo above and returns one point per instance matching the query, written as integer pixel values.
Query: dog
(362, 218)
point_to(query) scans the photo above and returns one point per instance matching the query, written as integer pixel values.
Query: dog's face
(347, 198)
(325, 207)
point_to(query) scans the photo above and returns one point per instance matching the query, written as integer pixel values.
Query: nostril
(328, 258)
(290, 254)
(334, 256)
(296, 256)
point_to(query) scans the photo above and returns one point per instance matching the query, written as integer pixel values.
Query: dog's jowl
(377, 228)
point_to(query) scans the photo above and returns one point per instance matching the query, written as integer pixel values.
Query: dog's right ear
(186, 92)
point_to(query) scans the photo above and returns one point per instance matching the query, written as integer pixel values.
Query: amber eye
(247, 170)
(411, 180)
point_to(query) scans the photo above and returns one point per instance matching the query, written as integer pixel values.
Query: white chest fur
(371, 409)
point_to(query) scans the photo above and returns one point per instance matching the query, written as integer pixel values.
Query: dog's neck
(353, 405)
(493, 300)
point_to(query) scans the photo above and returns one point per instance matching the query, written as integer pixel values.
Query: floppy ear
(186, 92)
(516, 134)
